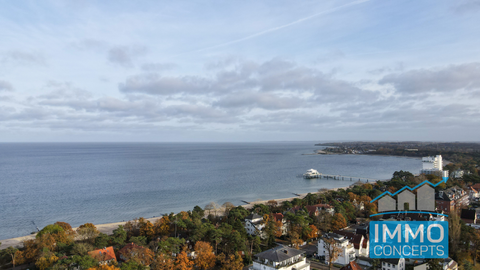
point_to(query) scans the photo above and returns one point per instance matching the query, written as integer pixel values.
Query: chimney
(286, 251)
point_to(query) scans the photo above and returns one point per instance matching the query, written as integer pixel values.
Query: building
(280, 257)
(131, 250)
(346, 248)
(451, 199)
(314, 210)
(254, 224)
(104, 256)
(473, 194)
(393, 264)
(447, 264)
(351, 266)
(432, 165)
(469, 216)
(359, 241)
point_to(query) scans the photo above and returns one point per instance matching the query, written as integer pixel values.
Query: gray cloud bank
(271, 97)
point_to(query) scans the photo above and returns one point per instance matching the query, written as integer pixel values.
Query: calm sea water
(111, 182)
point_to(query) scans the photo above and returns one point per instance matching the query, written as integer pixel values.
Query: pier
(342, 178)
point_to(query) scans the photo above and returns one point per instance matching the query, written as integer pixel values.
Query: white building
(447, 264)
(433, 165)
(347, 250)
(393, 264)
(280, 257)
(254, 224)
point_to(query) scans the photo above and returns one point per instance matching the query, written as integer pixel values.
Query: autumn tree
(147, 229)
(278, 228)
(104, 267)
(338, 222)
(313, 232)
(140, 255)
(205, 258)
(454, 230)
(88, 231)
(231, 262)
(183, 262)
(332, 250)
(162, 262)
(162, 225)
(46, 260)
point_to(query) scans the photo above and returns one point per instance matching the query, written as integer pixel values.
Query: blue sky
(239, 70)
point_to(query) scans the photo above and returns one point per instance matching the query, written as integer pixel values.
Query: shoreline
(107, 228)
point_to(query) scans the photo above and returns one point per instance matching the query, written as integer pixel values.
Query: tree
(162, 225)
(162, 262)
(205, 258)
(454, 231)
(104, 267)
(475, 239)
(434, 264)
(227, 206)
(338, 222)
(211, 206)
(81, 249)
(313, 232)
(119, 236)
(183, 262)
(88, 231)
(14, 254)
(142, 255)
(278, 228)
(232, 262)
(331, 249)
(132, 265)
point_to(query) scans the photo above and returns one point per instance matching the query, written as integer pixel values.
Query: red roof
(104, 254)
(476, 186)
(278, 216)
(351, 266)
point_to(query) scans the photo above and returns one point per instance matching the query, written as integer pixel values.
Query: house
(469, 216)
(281, 257)
(314, 210)
(359, 205)
(473, 193)
(104, 256)
(393, 264)
(447, 264)
(457, 174)
(359, 241)
(254, 224)
(351, 266)
(347, 250)
(451, 199)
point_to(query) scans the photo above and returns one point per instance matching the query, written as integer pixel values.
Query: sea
(42, 183)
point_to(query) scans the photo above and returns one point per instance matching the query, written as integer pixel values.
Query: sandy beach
(108, 228)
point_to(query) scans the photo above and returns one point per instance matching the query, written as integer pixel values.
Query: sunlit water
(111, 182)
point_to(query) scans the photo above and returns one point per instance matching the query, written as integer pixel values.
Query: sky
(239, 71)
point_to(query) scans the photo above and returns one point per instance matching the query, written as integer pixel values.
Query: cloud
(467, 6)
(125, 55)
(90, 44)
(5, 86)
(252, 100)
(157, 66)
(245, 80)
(23, 58)
(445, 79)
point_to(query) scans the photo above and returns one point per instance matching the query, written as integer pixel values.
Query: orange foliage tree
(104, 267)
(162, 225)
(162, 262)
(205, 258)
(278, 228)
(232, 262)
(183, 262)
(313, 232)
(338, 222)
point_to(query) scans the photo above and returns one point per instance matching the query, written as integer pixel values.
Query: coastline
(107, 228)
